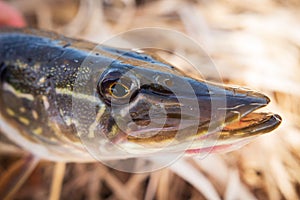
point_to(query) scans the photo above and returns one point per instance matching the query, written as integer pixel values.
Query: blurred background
(254, 43)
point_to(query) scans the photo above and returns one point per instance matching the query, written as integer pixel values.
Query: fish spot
(10, 112)
(22, 109)
(35, 115)
(46, 102)
(38, 131)
(42, 80)
(24, 120)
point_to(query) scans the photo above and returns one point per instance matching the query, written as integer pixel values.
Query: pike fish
(61, 96)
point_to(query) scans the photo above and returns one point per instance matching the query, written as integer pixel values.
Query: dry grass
(253, 43)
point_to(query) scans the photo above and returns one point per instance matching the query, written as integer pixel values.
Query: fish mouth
(233, 134)
(250, 125)
(224, 126)
(237, 133)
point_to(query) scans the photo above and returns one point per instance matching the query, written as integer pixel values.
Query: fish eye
(118, 90)
(117, 87)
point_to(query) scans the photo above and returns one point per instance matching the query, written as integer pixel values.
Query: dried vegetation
(253, 43)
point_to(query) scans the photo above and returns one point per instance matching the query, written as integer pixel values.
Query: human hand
(9, 16)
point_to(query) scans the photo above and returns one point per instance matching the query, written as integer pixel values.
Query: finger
(9, 16)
